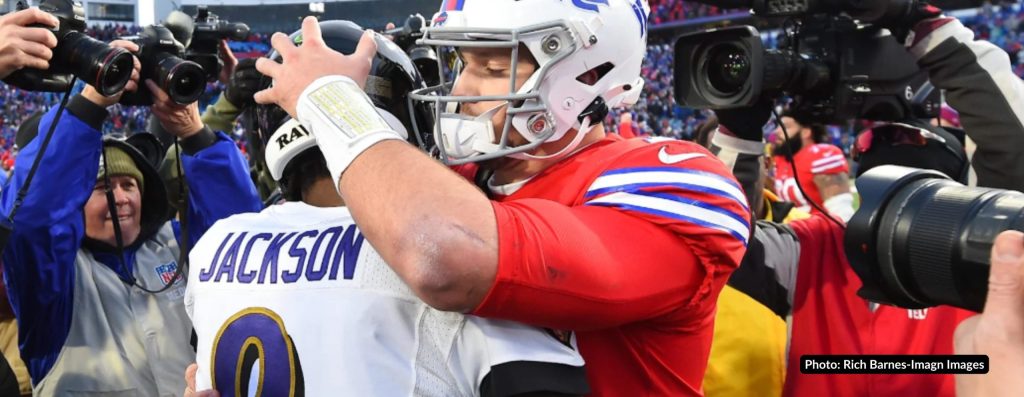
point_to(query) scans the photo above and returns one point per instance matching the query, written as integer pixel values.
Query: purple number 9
(254, 335)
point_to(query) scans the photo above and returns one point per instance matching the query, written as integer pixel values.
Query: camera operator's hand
(243, 84)
(94, 96)
(999, 330)
(388, 27)
(303, 65)
(917, 11)
(229, 60)
(747, 123)
(22, 46)
(181, 121)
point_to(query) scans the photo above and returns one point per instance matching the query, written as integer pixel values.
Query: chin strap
(597, 110)
(584, 129)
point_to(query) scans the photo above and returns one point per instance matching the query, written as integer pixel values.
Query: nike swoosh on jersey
(676, 158)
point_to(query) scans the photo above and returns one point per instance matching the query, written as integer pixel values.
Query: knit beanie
(120, 163)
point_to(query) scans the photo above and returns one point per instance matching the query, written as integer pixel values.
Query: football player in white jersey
(293, 301)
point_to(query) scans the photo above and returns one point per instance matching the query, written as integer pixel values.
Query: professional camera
(834, 60)
(422, 56)
(920, 239)
(207, 33)
(160, 54)
(106, 68)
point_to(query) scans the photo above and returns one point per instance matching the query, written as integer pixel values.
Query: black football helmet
(392, 76)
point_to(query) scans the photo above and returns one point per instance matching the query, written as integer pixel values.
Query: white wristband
(342, 119)
(841, 205)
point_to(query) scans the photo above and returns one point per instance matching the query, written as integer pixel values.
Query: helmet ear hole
(595, 74)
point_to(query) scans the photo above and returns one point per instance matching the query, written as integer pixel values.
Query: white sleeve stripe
(606, 182)
(826, 167)
(827, 159)
(677, 210)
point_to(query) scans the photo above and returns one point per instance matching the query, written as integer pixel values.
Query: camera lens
(728, 68)
(106, 68)
(953, 227)
(184, 81)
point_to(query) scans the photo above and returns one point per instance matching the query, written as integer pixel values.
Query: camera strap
(183, 243)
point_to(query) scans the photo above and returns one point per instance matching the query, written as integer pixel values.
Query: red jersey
(818, 159)
(628, 243)
(829, 318)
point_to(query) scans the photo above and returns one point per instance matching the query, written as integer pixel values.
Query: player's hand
(22, 46)
(301, 66)
(998, 331)
(190, 384)
(181, 121)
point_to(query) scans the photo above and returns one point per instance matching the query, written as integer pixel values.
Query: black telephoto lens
(728, 68)
(106, 68)
(184, 81)
(920, 240)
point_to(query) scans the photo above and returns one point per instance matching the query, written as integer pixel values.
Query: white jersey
(292, 301)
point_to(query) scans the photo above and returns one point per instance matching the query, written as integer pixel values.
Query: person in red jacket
(625, 242)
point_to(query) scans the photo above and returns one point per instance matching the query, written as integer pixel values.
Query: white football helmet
(569, 39)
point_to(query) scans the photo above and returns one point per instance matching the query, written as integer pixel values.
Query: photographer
(91, 319)
(808, 256)
(24, 46)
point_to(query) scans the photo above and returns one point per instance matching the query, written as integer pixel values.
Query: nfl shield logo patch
(166, 272)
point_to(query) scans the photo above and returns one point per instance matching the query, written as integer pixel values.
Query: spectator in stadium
(572, 232)
(998, 332)
(24, 45)
(78, 288)
(807, 256)
(821, 167)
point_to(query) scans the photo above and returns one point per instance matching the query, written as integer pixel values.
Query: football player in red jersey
(821, 168)
(625, 242)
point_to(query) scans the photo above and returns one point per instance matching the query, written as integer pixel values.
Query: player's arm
(433, 227)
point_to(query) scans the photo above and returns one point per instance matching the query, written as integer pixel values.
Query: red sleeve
(586, 267)
(828, 160)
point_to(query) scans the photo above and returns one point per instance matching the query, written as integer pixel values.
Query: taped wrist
(342, 119)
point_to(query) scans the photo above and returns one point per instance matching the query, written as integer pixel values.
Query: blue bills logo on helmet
(641, 16)
(589, 5)
(441, 19)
